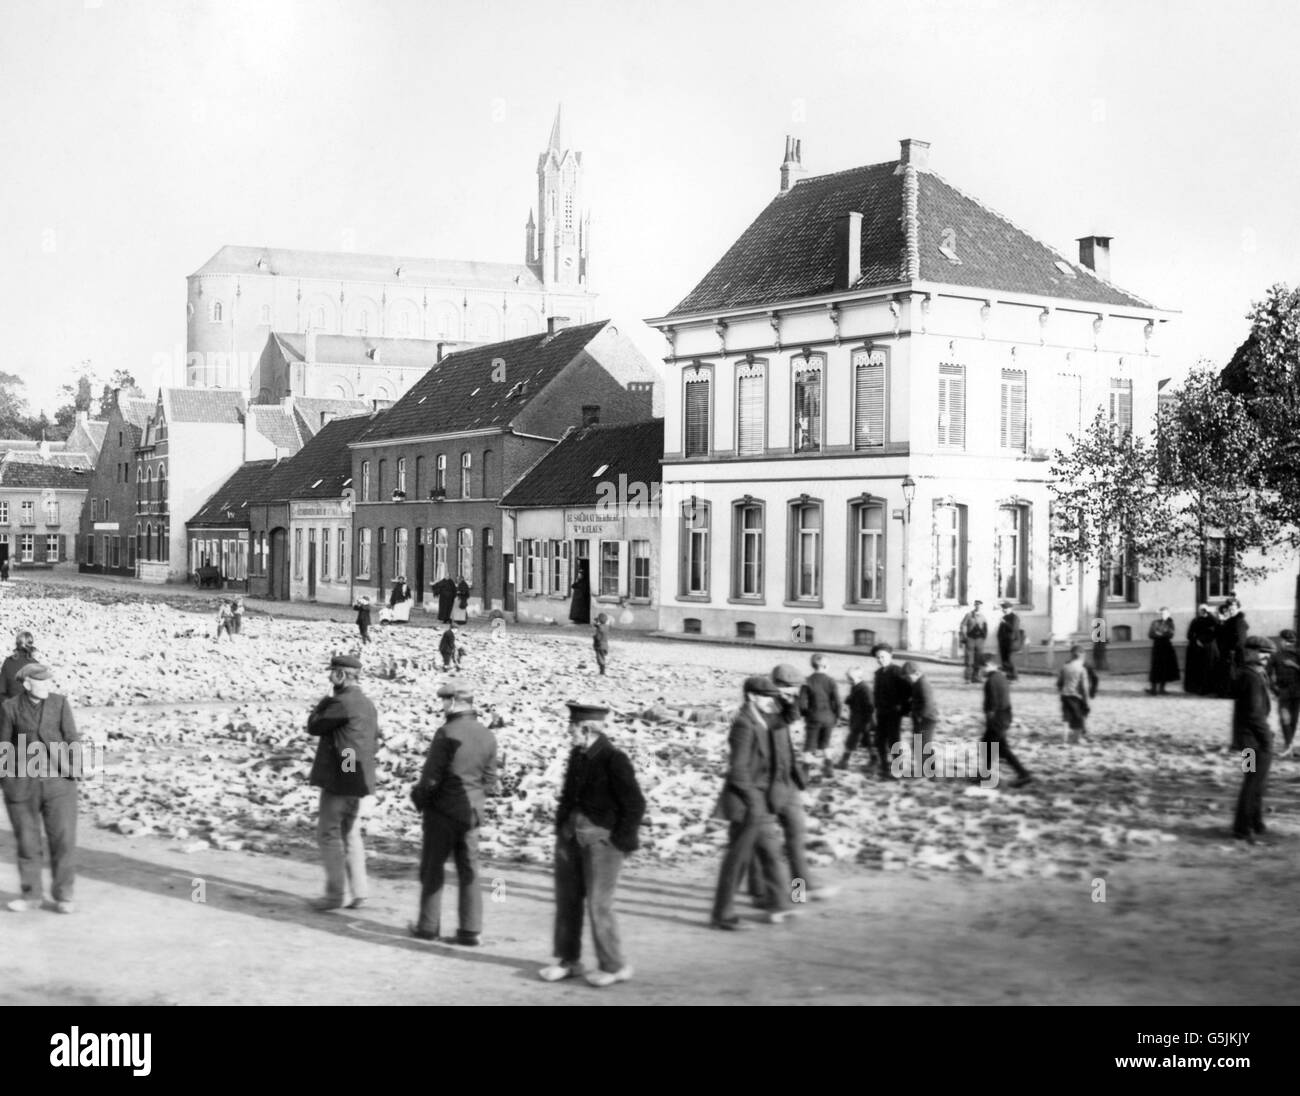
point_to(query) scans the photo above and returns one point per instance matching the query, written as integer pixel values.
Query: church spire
(556, 143)
(561, 228)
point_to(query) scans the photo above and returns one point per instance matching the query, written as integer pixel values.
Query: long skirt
(1202, 673)
(1164, 662)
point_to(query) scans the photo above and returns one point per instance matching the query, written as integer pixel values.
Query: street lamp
(909, 493)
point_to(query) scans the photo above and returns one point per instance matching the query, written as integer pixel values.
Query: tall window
(695, 549)
(29, 513)
(216, 312)
(1012, 564)
(297, 553)
(870, 368)
(807, 405)
(464, 475)
(365, 481)
(52, 511)
(27, 548)
(420, 482)
(1013, 433)
(465, 555)
(342, 553)
(950, 553)
(867, 520)
(401, 545)
(381, 474)
(363, 553)
(747, 555)
(641, 570)
(697, 411)
(325, 555)
(52, 548)
(1123, 570)
(952, 406)
(439, 554)
(751, 410)
(401, 475)
(4, 512)
(440, 472)
(1121, 404)
(94, 510)
(1068, 400)
(531, 559)
(1218, 567)
(487, 473)
(610, 559)
(806, 552)
(559, 574)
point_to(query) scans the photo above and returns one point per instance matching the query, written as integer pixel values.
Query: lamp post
(909, 493)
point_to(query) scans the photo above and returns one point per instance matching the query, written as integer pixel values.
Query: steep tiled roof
(363, 350)
(789, 251)
(276, 425)
(312, 411)
(136, 411)
(324, 466)
(347, 266)
(209, 405)
(571, 473)
(460, 393)
(42, 474)
(229, 503)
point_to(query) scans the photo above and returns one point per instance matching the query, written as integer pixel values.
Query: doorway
(418, 584)
(278, 565)
(311, 564)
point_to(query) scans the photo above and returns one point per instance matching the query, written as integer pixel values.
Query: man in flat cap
(971, 633)
(41, 789)
(596, 825)
(459, 772)
(1251, 736)
(347, 726)
(1009, 638)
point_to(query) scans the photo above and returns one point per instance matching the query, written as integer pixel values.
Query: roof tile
(570, 474)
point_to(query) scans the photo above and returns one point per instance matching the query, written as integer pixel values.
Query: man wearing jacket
(819, 703)
(1252, 737)
(30, 724)
(347, 728)
(893, 701)
(997, 718)
(459, 771)
(1008, 639)
(972, 632)
(596, 824)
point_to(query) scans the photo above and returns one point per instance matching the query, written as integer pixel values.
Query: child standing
(236, 615)
(1073, 683)
(225, 617)
(600, 640)
(450, 648)
(362, 606)
(861, 710)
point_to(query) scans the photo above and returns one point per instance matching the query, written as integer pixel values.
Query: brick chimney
(848, 249)
(914, 153)
(793, 163)
(1094, 253)
(556, 324)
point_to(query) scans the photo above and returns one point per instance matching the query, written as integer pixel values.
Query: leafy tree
(1213, 457)
(15, 421)
(1109, 512)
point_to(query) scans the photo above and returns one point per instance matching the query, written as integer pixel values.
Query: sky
(139, 137)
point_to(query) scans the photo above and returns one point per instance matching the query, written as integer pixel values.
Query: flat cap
(582, 712)
(881, 647)
(35, 671)
(1260, 643)
(761, 685)
(453, 690)
(345, 662)
(786, 675)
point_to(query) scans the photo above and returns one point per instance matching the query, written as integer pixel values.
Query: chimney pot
(1094, 253)
(793, 162)
(914, 153)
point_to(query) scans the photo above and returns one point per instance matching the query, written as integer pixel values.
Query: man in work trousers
(600, 811)
(30, 724)
(1252, 737)
(972, 632)
(1008, 639)
(347, 728)
(461, 767)
(997, 718)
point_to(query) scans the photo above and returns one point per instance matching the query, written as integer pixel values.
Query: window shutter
(952, 406)
(622, 568)
(544, 587)
(697, 417)
(869, 400)
(749, 412)
(1013, 409)
(521, 564)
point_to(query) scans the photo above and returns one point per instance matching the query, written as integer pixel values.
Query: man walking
(893, 701)
(1252, 737)
(37, 730)
(459, 771)
(997, 718)
(972, 632)
(925, 714)
(819, 702)
(347, 728)
(1009, 639)
(600, 810)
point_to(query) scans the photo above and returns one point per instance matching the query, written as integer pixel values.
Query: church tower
(558, 242)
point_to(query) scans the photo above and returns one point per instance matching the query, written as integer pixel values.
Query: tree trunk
(1099, 626)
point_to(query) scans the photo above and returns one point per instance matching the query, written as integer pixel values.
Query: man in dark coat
(1008, 639)
(746, 804)
(1231, 641)
(37, 733)
(445, 590)
(893, 702)
(971, 633)
(580, 606)
(862, 709)
(600, 811)
(1252, 737)
(925, 714)
(24, 652)
(819, 703)
(1202, 654)
(997, 719)
(460, 770)
(347, 728)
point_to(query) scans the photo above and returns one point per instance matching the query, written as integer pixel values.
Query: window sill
(803, 604)
(865, 607)
(755, 601)
(641, 601)
(704, 598)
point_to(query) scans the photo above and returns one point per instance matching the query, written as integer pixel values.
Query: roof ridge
(1043, 243)
(357, 255)
(842, 171)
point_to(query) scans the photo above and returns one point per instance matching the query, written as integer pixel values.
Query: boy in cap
(29, 725)
(1284, 673)
(362, 606)
(819, 703)
(596, 825)
(1252, 736)
(347, 728)
(460, 770)
(925, 711)
(893, 701)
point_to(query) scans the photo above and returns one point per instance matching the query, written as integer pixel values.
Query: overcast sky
(138, 137)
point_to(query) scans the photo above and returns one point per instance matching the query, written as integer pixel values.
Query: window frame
(795, 509)
(740, 534)
(755, 370)
(634, 578)
(1008, 385)
(819, 442)
(961, 553)
(698, 373)
(365, 542)
(865, 356)
(690, 513)
(943, 435)
(856, 509)
(1023, 598)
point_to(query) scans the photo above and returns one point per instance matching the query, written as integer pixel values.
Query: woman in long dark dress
(1231, 639)
(580, 607)
(1164, 659)
(446, 591)
(1202, 654)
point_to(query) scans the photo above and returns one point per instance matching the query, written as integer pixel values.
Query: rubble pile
(206, 745)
